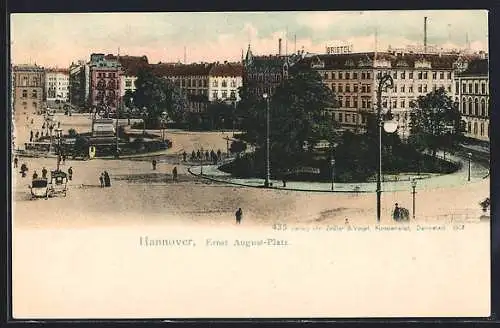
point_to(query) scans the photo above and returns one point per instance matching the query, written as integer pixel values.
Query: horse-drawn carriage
(39, 188)
(58, 183)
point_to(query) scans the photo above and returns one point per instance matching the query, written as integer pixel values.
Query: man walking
(101, 180)
(239, 215)
(174, 174)
(70, 173)
(154, 164)
(44, 173)
(15, 162)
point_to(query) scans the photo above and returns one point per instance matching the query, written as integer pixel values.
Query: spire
(248, 58)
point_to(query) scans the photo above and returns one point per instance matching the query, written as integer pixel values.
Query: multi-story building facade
(472, 95)
(354, 80)
(79, 84)
(104, 82)
(57, 85)
(224, 81)
(192, 80)
(28, 89)
(130, 67)
(262, 74)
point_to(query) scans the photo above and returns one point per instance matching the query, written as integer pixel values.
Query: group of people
(212, 156)
(104, 179)
(24, 169)
(35, 136)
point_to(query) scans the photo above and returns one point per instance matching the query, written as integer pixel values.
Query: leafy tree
(435, 122)
(219, 112)
(158, 95)
(297, 117)
(128, 98)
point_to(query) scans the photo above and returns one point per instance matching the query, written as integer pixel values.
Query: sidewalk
(425, 181)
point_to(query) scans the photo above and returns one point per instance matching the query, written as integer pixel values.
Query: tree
(157, 95)
(434, 122)
(219, 112)
(297, 116)
(128, 98)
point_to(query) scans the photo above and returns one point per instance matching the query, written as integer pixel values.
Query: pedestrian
(58, 124)
(219, 153)
(193, 155)
(44, 173)
(31, 121)
(35, 175)
(107, 181)
(58, 159)
(239, 215)
(207, 155)
(31, 136)
(198, 154)
(37, 134)
(184, 155)
(174, 173)
(101, 180)
(153, 162)
(64, 158)
(396, 214)
(346, 221)
(15, 162)
(70, 173)
(284, 183)
(43, 126)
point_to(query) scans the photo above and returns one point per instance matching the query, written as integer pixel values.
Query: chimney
(279, 47)
(425, 34)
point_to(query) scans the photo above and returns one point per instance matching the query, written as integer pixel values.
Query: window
(410, 88)
(355, 105)
(419, 88)
(25, 93)
(368, 88)
(363, 103)
(434, 87)
(384, 103)
(441, 75)
(363, 75)
(469, 125)
(355, 75)
(34, 94)
(434, 75)
(348, 102)
(449, 75)
(395, 75)
(355, 87)
(348, 88)
(347, 117)
(425, 75)
(224, 94)
(482, 129)
(233, 94)
(326, 76)
(340, 117)
(347, 75)
(341, 75)
(394, 104)
(224, 83)
(403, 75)
(483, 107)
(464, 105)
(333, 88)
(128, 83)
(476, 107)
(476, 88)
(215, 83)
(368, 75)
(425, 87)
(419, 75)
(457, 87)
(483, 88)
(215, 94)
(475, 128)
(470, 106)
(233, 83)
(363, 88)
(402, 88)
(340, 102)
(464, 88)
(341, 89)
(449, 88)
(410, 75)
(333, 75)
(470, 87)
(369, 104)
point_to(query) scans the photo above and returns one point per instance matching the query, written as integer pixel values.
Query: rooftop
(476, 67)
(226, 69)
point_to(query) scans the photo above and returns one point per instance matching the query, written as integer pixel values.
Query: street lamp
(385, 82)
(469, 156)
(163, 120)
(332, 164)
(201, 161)
(268, 165)
(413, 186)
(59, 135)
(144, 113)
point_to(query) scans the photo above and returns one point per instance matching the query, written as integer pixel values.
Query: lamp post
(59, 135)
(117, 153)
(163, 120)
(332, 162)
(201, 161)
(469, 156)
(144, 113)
(268, 165)
(385, 81)
(413, 186)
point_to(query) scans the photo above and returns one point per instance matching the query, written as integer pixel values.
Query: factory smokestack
(279, 47)
(425, 34)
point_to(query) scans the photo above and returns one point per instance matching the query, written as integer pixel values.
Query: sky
(56, 40)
